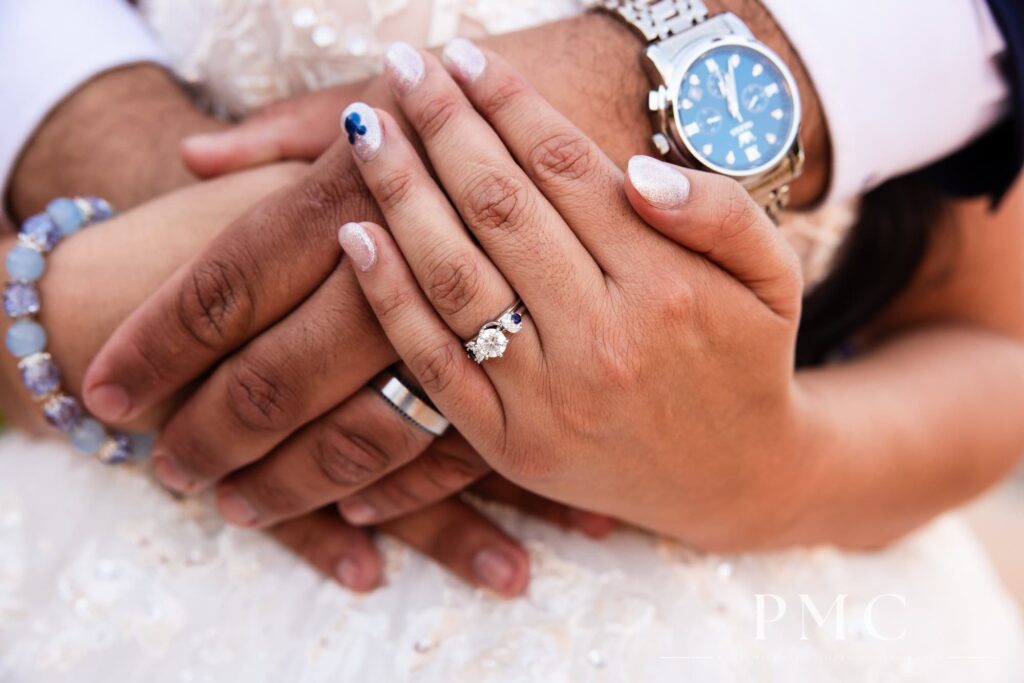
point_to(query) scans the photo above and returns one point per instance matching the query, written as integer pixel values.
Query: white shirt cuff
(48, 48)
(901, 84)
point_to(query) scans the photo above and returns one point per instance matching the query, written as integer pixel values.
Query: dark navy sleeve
(990, 164)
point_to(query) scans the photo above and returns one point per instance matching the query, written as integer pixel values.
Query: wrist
(810, 187)
(90, 144)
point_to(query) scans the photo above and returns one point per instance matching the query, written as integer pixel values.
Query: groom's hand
(288, 333)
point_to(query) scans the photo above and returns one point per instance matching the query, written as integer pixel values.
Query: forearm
(117, 136)
(918, 426)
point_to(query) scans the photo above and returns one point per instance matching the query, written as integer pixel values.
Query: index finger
(260, 268)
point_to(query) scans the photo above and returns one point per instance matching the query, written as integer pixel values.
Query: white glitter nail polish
(464, 59)
(404, 67)
(360, 124)
(662, 185)
(358, 245)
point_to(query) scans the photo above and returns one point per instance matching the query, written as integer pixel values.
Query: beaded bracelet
(26, 338)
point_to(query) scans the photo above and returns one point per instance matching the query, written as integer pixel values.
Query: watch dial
(736, 110)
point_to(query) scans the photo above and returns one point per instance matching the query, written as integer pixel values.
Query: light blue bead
(142, 444)
(66, 214)
(88, 435)
(26, 337)
(25, 264)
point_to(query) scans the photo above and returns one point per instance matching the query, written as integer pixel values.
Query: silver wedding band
(409, 405)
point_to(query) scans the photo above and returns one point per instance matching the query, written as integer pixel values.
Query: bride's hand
(96, 279)
(653, 377)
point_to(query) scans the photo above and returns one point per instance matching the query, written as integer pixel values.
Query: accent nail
(464, 59)
(235, 509)
(404, 67)
(109, 402)
(357, 511)
(362, 127)
(358, 245)
(662, 185)
(169, 474)
(495, 569)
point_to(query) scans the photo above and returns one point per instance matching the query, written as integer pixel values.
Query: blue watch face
(736, 110)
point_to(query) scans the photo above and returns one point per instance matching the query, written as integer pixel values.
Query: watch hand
(733, 98)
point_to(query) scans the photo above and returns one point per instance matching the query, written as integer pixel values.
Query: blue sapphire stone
(63, 412)
(20, 299)
(354, 127)
(42, 231)
(40, 376)
(516, 318)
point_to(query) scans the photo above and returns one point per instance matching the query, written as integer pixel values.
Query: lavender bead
(63, 412)
(66, 214)
(25, 264)
(20, 299)
(117, 449)
(142, 444)
(101, 208)
(88, 435)
(25, 337)
(39, 374)
(42, 231)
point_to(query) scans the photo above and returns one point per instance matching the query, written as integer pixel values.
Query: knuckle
(217, 303)
(450, 472)
(436, 367)
(436, 114)
(272, 496)
(568, 156)
(614, 361)
(347, 460)
(334, 184)
(495, 201)
(454, 283)
(392, 303)
(259, 399)
(507, 91)
(394, 189)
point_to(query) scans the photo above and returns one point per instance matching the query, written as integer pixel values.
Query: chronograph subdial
(710, 120)
(754, 98)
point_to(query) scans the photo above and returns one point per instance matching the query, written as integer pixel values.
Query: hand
(126, 258)
(653, 378)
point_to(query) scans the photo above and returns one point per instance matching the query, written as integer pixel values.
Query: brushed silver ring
(410, 406)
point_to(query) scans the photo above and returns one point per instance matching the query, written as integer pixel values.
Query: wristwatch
(722, 101)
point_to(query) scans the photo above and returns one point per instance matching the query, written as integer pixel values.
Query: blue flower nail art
(354, 127)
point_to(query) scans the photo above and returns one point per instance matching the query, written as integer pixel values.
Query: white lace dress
(103, 577)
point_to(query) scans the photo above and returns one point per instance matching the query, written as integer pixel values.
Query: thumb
(715, 216)
(299, 128)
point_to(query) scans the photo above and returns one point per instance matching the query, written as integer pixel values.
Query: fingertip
(108, 401)
(243, 146)
(505, 570)
(657, 185)
(358, 573)
(592, 524)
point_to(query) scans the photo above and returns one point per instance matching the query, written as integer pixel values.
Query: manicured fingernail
(362, 127)
(404, 67)
(358, 245)
(235, 509)
(495, 569)
(170, 475)
(109, 402)
(350, 573)
(464, 59)
(662, 185)
(357, 511)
